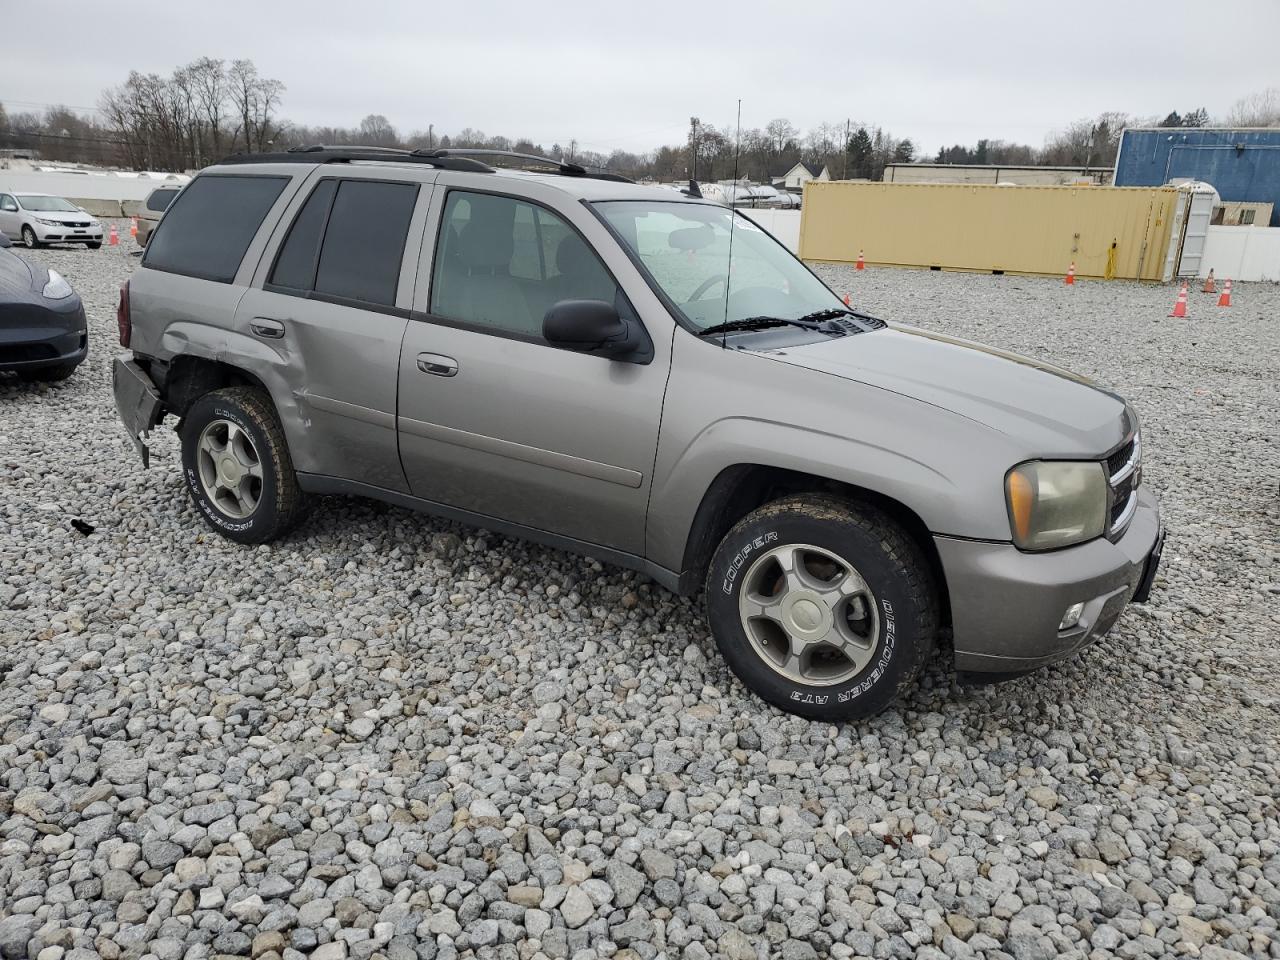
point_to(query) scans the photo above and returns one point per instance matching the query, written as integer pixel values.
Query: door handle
(437, 364)
(267, 328)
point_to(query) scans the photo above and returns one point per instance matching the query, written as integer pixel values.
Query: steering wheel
(704, 286)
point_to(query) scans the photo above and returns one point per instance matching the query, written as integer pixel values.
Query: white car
(38, 218)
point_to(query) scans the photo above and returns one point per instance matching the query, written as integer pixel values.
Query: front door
(10, 224)
(495, 421)
(333, 302)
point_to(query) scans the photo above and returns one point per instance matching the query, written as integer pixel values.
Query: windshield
(685, 246)
(47, 203)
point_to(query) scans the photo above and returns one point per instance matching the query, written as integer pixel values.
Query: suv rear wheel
(237, 466)
(823, 607)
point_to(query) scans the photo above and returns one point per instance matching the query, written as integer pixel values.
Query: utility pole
(573, 148)
(845, 174)
(431, 136)
(693, 145)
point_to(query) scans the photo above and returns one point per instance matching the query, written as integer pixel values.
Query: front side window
(502, 263)
(686, 249)
(46, 204)
(206, 232)
(6, 202)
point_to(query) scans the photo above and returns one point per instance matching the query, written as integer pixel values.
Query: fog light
(1072, 616)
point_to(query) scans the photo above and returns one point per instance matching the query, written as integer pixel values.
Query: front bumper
(1006, 605)
(67, 234)
(34, 336)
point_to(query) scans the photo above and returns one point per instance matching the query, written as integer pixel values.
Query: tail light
(123, 320)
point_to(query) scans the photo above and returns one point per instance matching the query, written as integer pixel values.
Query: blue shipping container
(1242, 165)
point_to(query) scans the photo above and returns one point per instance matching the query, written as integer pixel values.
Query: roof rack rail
(562, 167)
(321, 153)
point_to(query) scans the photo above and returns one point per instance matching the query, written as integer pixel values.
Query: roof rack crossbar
(563, 167)
(322, 153)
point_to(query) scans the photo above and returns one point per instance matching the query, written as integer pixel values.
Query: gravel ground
(391, 736)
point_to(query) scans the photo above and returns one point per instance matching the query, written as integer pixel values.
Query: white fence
(1242, 253)
(102, 194)
(783, 224)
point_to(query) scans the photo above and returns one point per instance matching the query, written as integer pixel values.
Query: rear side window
(207, 232)
(296, 265)
(159, 200)
(364, 241)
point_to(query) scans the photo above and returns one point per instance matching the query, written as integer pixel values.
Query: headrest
(573, 259)
(485, 245)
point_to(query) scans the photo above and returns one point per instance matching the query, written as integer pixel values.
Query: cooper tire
(246, 416)
(894, 605)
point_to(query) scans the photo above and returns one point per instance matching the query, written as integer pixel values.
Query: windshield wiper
(761, 323)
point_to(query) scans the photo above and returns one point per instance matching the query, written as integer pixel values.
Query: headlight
(57, 288)
(48, 223)
(1056, 504)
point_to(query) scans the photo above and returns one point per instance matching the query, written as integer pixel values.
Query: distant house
(795, 178)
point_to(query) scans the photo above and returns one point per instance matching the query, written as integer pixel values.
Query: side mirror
(590, 326)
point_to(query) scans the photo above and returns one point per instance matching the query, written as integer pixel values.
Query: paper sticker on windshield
(745, 224)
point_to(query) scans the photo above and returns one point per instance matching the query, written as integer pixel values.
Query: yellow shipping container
(1014, 229)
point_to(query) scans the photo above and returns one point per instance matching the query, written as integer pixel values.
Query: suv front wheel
(823, 607)
(237, 467)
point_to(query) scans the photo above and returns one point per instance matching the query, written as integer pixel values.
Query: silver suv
(644, 377)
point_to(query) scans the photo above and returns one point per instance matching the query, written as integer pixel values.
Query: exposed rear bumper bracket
(137, 402)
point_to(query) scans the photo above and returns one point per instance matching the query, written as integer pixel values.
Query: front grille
(76, 223)
(1119, 458)
(1124, 474)
(1120, 495)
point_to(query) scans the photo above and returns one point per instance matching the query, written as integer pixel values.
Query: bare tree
(376, 130)
(209, 80)
(781, 133)
(1260, 109)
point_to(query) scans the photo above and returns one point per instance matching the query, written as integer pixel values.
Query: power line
(23, 134)
(49, 106)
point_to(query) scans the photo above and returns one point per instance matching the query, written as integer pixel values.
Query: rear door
(494, 420)
(331, 298)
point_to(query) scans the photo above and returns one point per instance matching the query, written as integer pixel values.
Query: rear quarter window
(205, 234)
(159, 200)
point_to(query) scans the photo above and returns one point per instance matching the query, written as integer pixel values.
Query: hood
(18, 279)
(61, 216)
(1051, 411)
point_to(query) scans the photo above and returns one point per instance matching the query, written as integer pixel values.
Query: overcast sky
(941, 72)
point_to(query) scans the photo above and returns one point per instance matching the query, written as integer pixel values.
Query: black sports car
(43, 333)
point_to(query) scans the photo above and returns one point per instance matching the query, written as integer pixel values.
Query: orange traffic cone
(1071, 274)
(846, 300)
(861, 264)
(133, 226)
(1210, 286)
(1180, 308)
(115, 237)
(1225, 299)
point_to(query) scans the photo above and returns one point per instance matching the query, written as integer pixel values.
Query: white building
(800, 174)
